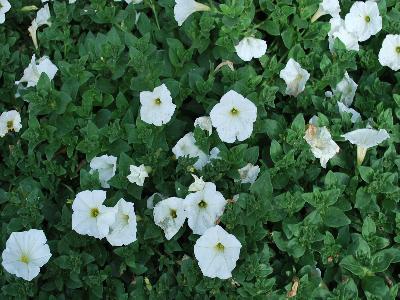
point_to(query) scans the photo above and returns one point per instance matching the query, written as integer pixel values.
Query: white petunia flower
(36, 68)
(249, 173)
(90, 216)
(322, 145)
(186, 146)
(10, 121)
(363, 20)
(327, 7)
(204, 123)
(355, 115)
(233, 117)
(106, 166)
(347, 88)
(184, 8)
(42, 18)
(204, 208)
(250, 47)
(5, 6)
(150, 200)
(169, 214)
(295, 77)
(197, 185)
(157, 107)
(365, 138)
(338, 30)
(26, 252)
(138, 174)
(217, 252)
(123, 230)
(389, 55)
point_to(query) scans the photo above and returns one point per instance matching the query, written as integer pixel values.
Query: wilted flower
(123, 230)
(106, 166)
(217, 252)
(204, 123)
(197, 185)
(42, 18)
(186, 146)
(347, 88)
(365, 138)
(295, 77)
(10, 121)
(169, 214)
(250, 47)
(331, 7)
(389, 55)
(184, 8)
(157, 107)
(363, 20)
(36, 68)
(26, 252)
(204, 208)
(138, 174)
(249, 173)
(233, 117)
(338, 30)
(90, 216)
(5, 6)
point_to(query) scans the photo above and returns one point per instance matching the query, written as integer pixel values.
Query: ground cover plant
(175, 149)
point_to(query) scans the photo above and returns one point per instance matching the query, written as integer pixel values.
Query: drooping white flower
(197, 185)
(42, 18)
(204, 208)
(249, 173)
(5, 6)
(327, 7)
(10, 121)
(250, 47)
(217, 252)
(295, 77)
(355, 115)
(90, 216)
(347, 88)
(184, 8)
(186, 146)
(233, 117)
(169, 214)
(36, 68)
(123, 230)
(322, 145)
(364, 139)
(204, 123)
(389, 55)
(106, 166)
(157, 107)
(26, 252)
(338, 30)
(363, 20)
(138, 174)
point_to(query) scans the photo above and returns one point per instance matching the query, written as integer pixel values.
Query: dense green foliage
(343, 220)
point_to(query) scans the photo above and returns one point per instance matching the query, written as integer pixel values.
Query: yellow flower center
(10, 125)
(202, 204)
(94, 212)
(24, 258)
(367, 19)
(234, 111)
(173, 214)
(157, 101)
(125, 218)
(398, 49)
(220, 247)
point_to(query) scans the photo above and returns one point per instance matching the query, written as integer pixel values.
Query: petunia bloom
(42, 18)
(327, 7)
(10, 121)
(338, 30)
(295, 77)
(138, 174)
(204, 123)
(355, 115)
(106, 166)
(347, 90)
(249, 173)
(389, 55)
(186, 146)
(123, 230)
(169, 214)
(250, 47)
(197, 185)
(5, 6)
(36, 68)
(184, 8)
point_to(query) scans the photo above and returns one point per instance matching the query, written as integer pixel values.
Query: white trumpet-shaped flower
(186, 146)
(106, 166)
(184, 8)
(5, 6)
(389, 55)
(197, 185)
(36, 68)
(42, 18)
(138, 174)
(169, 214)
(347, 90)
(123, 230)
(204, 123)
(10, 121)
(295, 77)
(249, 173)
(338, 30)
(327, 7)
(250, 47)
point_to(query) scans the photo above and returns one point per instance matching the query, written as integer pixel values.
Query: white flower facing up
(10, 121)
(233, 117)
(321, 143)
(327, 7)
(26, 252)
(36, 68)
(250, 47)
(249, 173)
(138, 174)
(364, 139)
(106, 166)
(295, 77)
(42, 18)
(184, 8)
(217, 253)
(355, 115)
(169, 214)
(5, 6)
(389, 55)
(204, 123)
(338, 30)
(123, 230)
(363, 20)
(186, 146)
(197, 185)
(347, 89)
(204, 208)
(90, 216)
(157, 107)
